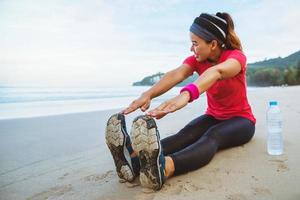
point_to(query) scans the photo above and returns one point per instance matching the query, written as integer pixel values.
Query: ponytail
(232, 40)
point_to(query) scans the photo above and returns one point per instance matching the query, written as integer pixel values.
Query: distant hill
(258, 73)
(279, 62)
(149, 80)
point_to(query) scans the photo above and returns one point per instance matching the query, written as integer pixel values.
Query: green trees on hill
(276, 71)
(274, 76)
(292, 75)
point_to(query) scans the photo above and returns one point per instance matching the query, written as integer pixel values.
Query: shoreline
(33, 109)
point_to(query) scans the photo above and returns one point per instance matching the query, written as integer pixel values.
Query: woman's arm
(169, 80)
(224, 70)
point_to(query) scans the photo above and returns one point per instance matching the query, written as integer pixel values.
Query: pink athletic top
(226, 98)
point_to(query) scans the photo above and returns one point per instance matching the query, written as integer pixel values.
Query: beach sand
(65, 157)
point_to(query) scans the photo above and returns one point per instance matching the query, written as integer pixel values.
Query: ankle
(169, 167)
(133, 154)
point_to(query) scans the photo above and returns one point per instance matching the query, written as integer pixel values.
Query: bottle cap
(273, 103)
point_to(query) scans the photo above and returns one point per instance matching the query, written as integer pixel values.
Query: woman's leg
(229, 133)
(188, 135)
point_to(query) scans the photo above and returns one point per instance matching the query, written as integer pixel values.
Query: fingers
(162, 106)
(162, 110)
(157, 114)
(132, 107)
(145, 106)
(161, 113)
(159, 108)
(135, 105)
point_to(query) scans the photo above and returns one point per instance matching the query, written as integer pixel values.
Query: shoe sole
(115, 136)
(146, 141)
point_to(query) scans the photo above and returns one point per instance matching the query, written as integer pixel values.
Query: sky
(113, 43)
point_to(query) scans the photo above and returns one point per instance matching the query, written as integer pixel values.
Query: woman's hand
(143, 102)
(170, 106)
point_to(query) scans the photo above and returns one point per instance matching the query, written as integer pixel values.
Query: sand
(65, 157)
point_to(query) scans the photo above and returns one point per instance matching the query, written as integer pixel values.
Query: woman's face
(200, 47)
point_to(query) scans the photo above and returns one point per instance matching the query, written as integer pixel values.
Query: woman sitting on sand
(228, 121)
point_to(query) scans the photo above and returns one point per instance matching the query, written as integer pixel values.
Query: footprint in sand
(98, 177)
(281, 165)
(261, 191)
(187, 187)
(236, 197)
(63, 176)
(254, 178)
(135, 183)
(52, 193)
(143, 196)
(214, 170)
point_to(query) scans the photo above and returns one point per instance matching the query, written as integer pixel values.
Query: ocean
(22, 102)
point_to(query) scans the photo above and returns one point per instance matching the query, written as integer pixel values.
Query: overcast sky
(100, 43)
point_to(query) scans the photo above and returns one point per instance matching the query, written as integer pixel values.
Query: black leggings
(196, 144)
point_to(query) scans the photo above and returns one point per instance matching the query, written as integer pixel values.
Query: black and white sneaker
(146, 142)
(119, 144)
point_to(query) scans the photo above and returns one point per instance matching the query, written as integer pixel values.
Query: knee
(248, 135)
(212, 134)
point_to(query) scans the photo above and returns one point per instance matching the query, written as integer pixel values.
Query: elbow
(220, 74)
(217, 73)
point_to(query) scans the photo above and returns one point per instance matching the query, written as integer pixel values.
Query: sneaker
(146, 142)
(119, 144)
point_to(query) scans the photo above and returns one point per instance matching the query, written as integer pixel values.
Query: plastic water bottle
(274, 124)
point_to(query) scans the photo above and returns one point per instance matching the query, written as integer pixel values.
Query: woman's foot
(146, 142)
(119, 144)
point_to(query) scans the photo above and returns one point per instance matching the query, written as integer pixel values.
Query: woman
(227, 122)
